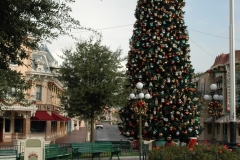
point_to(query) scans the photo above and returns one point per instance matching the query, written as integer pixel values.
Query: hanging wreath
(140, 107)
(214, 109)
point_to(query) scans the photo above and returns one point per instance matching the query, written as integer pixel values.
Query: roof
(223, 59)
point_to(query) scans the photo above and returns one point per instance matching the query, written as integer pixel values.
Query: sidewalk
(74, 136)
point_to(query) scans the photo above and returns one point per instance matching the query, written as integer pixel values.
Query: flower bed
(199, 152)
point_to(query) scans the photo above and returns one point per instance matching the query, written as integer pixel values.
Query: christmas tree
(159, 58)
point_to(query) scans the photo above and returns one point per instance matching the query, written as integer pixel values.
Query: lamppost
(214, 108)
(140, 109)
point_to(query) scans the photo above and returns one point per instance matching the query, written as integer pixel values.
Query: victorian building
(41, 115)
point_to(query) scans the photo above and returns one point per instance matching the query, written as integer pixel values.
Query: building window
(7, 125)
(209, 128)
(38, 92)
(38, 126)
(18, 125)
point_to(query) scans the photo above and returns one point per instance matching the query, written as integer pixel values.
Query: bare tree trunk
(92, 139)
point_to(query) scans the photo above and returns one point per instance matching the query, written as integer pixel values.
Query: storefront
(19, 122)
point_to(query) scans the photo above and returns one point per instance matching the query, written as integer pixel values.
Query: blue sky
(207, 21)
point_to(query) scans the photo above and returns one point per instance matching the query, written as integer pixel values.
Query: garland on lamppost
(214, 109)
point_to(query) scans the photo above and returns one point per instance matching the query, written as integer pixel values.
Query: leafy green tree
(12, 84)
(24, 25)
(92, 77)
(26, 22)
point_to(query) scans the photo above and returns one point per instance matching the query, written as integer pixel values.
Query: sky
(208, 24)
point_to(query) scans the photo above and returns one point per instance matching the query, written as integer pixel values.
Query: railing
(124, 152)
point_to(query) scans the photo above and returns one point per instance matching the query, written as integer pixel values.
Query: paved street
(108, 133)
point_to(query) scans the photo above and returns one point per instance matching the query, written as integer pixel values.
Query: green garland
(214, 109)
(22, 103)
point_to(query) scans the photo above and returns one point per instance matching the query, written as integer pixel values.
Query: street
(108, 133)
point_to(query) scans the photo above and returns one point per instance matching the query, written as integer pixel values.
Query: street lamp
(214, 108)
(140, 108)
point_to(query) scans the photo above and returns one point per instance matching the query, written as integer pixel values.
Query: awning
(58, 117)
(223, 119)
(208, 119)
(67, 119)
(42, 116)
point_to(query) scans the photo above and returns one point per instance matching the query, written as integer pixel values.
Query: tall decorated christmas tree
(159, 58)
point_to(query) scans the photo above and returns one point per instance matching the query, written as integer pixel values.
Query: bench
(126, 145)
(53, 151)
(94, 148)
(9, 154)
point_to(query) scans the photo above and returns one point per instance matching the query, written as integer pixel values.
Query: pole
(232, 115)
(140, 134)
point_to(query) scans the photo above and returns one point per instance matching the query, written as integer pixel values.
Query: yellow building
(42, 115)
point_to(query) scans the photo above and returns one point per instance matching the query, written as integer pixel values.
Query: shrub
(199, 152)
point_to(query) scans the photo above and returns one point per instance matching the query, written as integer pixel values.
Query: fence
(124, 151)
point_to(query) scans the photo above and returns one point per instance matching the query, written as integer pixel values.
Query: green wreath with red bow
(214, 109)
(140, 107)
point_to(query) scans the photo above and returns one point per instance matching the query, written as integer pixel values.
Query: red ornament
(180, 102)
(144, 132)
(167, 103)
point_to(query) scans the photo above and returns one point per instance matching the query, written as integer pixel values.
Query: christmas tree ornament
(169, 138)
(160, 134)
(177, 133)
